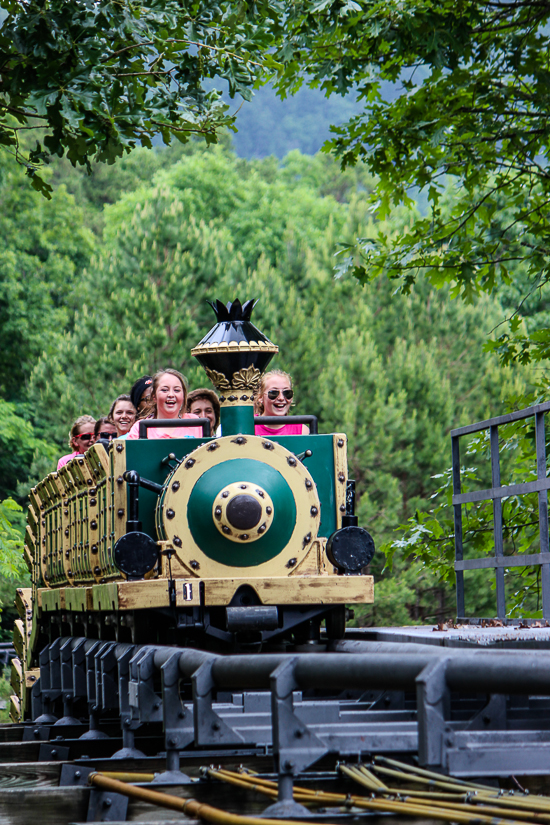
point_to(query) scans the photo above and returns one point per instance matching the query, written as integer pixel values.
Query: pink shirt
(65, 459)
(288, 429)
(172, 432)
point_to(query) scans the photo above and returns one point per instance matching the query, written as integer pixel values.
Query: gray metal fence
(496, 493)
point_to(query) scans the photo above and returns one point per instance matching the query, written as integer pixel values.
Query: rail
(496, 493)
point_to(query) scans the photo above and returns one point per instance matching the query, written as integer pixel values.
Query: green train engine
(238, 542)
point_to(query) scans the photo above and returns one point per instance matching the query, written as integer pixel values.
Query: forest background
(108, 280)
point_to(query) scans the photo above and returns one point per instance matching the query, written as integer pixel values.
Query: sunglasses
(273, 394)
(85, 436)
(108, 436)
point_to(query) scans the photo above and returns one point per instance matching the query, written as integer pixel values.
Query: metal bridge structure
(482, 712)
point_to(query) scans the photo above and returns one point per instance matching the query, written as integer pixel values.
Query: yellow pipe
(421, 780)
(129, 777)
(372, 776)
(486, 809)
(429, 774)
(454, 814)
(188, 806)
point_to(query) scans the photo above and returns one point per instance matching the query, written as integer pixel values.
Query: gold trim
(243, 380)
(241, 346)
(340, 442)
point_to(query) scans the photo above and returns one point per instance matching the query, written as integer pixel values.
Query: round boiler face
(267, 532)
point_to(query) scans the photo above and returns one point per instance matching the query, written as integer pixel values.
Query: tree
(469, 126)
(104, 77)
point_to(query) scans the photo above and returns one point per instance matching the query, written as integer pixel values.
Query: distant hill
(270, 126)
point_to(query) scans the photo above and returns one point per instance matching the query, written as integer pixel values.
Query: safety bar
(310, 420)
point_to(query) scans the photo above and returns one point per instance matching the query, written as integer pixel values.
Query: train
(227, 543)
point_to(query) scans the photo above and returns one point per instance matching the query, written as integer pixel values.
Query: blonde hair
(258, 403)
(80, 422)
(151, 405)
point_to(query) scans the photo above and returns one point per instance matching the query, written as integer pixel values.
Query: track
(104, 706)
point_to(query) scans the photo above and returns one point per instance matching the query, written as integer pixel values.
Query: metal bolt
(97, 571)
(342, 508)
(298, 733)
(225, 493)
(226, 529)
(177, 541)
(218, 512)
(213, 446)
(269, 510)
(262, 528)
(172, 742)
(340, 442)
(291, 461)
(170, 513)
(189, 463)
(175, 486)
(289, 764)
(268, 445)
(181, 714)
(107, 802)
(291, 562)
(244, 486)
(120, 480)
(314, 511)
(215, 725)
(244, 536)
(119, 448)
(93, 502)
(156, 706)
(93, 523)
(194, 564)
(341, 477)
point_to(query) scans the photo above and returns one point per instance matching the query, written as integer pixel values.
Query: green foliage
(467, 126)
(104, 77)
(42, 247)
(11, 546)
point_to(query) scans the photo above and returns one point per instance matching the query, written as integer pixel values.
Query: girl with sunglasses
(274, 398)
(81, 436)
(104, 429)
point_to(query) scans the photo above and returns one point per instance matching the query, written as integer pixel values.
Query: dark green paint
(235, 420)
(205, 532)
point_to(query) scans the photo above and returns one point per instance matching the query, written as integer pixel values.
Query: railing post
(543, 512)
(457, 489)
(497, 522)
